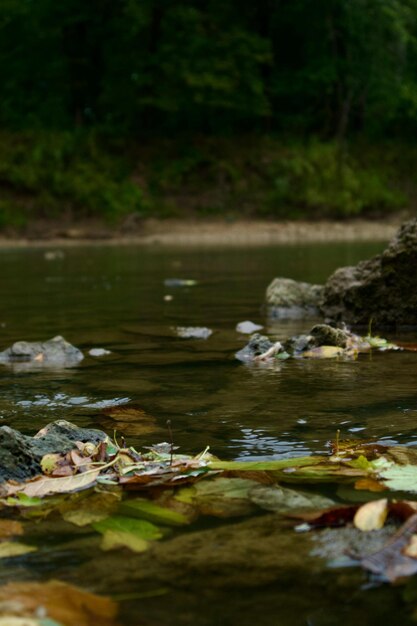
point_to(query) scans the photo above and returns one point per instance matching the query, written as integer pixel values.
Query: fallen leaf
(323, 352)
(369, 484)
(372, 515)
(10, 528)
(400, 477)
(411, 548)
(282, 499)
(148, 510)
(113, 539)
(389, 562)
(66, 604)
(141, 529)
(266, 466)
(44, 486)
(9, 549)
(83, 509)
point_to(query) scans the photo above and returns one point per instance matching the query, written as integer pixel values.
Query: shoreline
(210, 233)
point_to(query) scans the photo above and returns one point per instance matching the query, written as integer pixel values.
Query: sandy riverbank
(175, 232)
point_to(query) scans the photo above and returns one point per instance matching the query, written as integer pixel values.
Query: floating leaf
(45, 486)
(400, 477)
(66, 604)
(372, 515)
(267, 466)
(153, 512)
(11, 548)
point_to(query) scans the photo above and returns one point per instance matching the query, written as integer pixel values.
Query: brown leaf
(389, 562)
(64, 603)
(10, 528)
(369, 484)
(372, 515)
(334, 516)
(45, 486)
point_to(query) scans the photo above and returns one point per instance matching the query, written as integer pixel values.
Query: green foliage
(47, 174)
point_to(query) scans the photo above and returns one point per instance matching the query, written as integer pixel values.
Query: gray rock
(193, 332)
(382, 289)
(299, 343)
(247, 327)
(98, 352)
(287, 298)
(258, 344)
(20, 455)
(54, 352)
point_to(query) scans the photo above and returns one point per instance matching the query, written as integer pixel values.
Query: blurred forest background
(275, 108)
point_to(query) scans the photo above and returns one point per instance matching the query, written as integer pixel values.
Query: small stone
(98, 352)
(247, 327)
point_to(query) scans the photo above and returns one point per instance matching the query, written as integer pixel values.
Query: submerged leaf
(146, 509)
(140, 531)
(113, 539)
(66, 604)
(372, 515)
(282, 499)
(10, 528)
(11, 548)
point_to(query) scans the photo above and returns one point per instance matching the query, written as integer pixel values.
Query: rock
(258, 344)
(382, 289)
(325, 335)
(54, 352)
(193, 332)
(299, 343)
(20, 455)
(287, 298)
(98, 352)
(248, 327)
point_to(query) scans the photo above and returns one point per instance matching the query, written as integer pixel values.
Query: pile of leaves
(96, 486)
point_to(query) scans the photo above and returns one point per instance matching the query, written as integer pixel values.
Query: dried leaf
(64, 603)
(369, 484)
(372, 515)
(389, 562)
(10, 528)
(44, 486)
(9, 549)
(411, 548)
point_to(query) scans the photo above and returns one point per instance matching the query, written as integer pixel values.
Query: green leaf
(266, 466)
(140, 528)
(9, 549)
(22, 499)
(153, 512)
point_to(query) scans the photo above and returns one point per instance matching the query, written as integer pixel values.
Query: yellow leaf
(118, 539)
(372, 515)
(9, 549)
(12, 620)
(411, 549)
(62, 602)
(323, 352)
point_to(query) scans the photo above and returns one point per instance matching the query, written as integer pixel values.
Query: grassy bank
(79, 175)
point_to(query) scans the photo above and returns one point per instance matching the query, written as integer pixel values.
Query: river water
(115, 298)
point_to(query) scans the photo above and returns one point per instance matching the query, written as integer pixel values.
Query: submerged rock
(382, 290)
(54, 352)
(20, 455)
(287, 298)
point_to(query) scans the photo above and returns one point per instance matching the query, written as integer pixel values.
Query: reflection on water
(114, 298)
